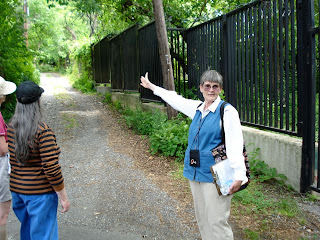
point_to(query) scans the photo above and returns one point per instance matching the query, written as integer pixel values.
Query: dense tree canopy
(60, 31)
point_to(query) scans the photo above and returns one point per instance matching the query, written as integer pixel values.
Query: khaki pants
(212, 211)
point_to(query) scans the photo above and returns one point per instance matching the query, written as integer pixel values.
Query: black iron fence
(204, 48)
(149, 59)
(254, 48)
(97, 63)
(268, 53)
(178, 52)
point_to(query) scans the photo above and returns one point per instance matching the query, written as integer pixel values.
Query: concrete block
(153, 107)
(130, 100)
(103, 89)
(279, 151)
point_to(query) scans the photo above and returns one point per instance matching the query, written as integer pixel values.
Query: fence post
(306, 86)
(224, 57)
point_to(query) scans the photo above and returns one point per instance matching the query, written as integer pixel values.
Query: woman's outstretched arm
(181, 104)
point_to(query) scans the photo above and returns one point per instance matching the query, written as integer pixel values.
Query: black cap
(28, 92)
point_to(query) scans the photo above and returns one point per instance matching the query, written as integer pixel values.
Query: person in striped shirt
(36, 180)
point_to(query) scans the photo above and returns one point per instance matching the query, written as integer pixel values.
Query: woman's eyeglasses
(207, 87)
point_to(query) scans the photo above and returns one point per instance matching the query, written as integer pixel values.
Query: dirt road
(110, 197)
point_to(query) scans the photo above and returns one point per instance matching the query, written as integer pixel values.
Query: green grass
(70, 121)
(251, 234)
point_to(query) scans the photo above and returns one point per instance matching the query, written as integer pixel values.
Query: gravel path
(110, 198)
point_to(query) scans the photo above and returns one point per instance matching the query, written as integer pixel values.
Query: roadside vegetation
(267, 209)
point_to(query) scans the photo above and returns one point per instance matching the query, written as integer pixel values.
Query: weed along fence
(268, 53)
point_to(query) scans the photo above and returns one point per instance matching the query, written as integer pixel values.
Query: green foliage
(81, 75)
(250, 234)
(191, 93)
(260, 203)
(107, 98)
(167, 137)
(142, 122)
(262, 171)
(288, 207)
(16, 61)
(171, 137)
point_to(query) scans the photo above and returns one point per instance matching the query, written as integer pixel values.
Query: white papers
(224, 175)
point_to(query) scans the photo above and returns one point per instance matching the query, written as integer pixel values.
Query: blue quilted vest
(209, 137)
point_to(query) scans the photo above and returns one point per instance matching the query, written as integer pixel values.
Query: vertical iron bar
(229, 58)
(243, 103)
(178, 61)
(287, 63)
(318, 171)
(247, 76)
(265, 64)
(219, 55)
(239, 106)
(173, 51)
(210, 46)
(236, 90)
(224, 43)
(216, 47)
(234, 61)
(281, 62)
(271, 85)
(204, 49)
(184, 63)
(275, 55)
(260, 65)
(293, 70)
(256, 90)
(251, 66)
(189, 57)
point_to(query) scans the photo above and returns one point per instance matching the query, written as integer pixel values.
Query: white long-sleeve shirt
(232, 125)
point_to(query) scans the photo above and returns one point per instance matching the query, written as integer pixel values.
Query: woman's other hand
(3, 146)
(64, 200)
(235, 186)
(146, 83)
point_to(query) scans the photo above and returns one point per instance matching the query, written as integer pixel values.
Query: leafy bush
(107, 98)
(171, 137)
(167, 137)
(81, 75)
(262, 171)
(143, 123)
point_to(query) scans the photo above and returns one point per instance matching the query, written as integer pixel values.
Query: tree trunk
(164, 51)
(26, 16)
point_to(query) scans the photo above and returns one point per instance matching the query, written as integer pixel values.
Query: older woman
(212, 211)
(36, 179)
(6, 88)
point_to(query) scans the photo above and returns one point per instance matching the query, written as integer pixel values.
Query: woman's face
(210, 91)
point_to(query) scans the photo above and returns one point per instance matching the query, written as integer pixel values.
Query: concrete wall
(278, 151)
(103, 89)
(133, 101)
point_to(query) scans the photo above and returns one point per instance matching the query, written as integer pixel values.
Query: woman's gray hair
(211, 76)
(25, 123)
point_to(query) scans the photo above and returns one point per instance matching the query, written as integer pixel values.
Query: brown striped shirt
(42, 172)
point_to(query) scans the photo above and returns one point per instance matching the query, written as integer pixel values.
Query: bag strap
(222, 125)
(223, 140)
